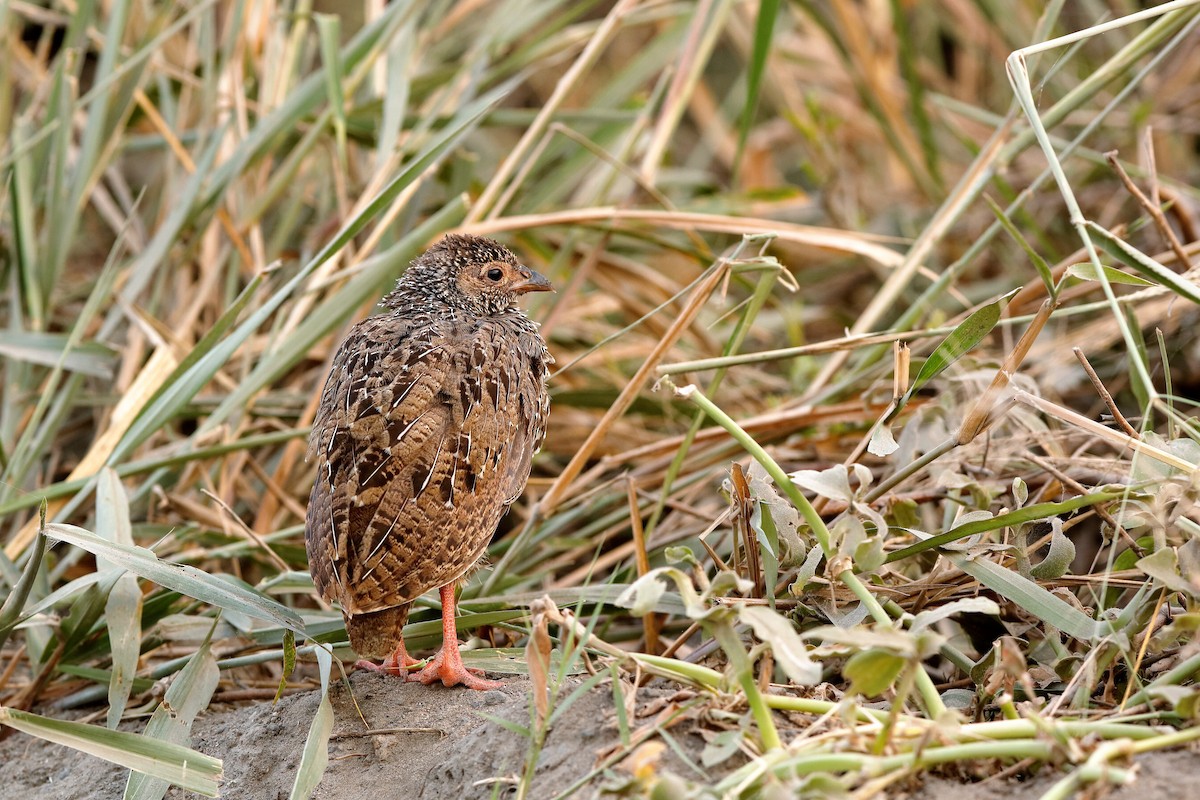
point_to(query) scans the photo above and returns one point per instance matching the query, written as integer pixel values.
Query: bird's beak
(536, 282)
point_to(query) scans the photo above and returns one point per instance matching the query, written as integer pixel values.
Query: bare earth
(431, 742)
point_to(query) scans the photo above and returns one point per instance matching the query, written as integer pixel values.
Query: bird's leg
(397, 663)
(447, 666)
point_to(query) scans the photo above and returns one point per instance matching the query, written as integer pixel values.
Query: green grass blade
(967, 335)
(188, 695)
(123, 608)
(1031, 513)
(764, 27)
(1032, 597)
(183, 579)
(181, 766)
(316, 747)
(1131, 257)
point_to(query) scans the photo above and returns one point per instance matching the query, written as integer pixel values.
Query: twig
(1104, 394)
(271, 554)
(1151, 208)
(651, 622)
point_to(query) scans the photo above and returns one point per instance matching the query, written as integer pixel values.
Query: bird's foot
(400, 667)
(447, 667)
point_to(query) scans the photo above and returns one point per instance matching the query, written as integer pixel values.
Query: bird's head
(469, 272)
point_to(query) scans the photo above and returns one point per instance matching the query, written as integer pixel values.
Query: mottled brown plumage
(425, 435)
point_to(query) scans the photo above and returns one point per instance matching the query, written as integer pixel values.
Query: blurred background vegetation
(199, 197)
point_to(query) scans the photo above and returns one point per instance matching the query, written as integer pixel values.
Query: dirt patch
(431, 742)
(428, 742)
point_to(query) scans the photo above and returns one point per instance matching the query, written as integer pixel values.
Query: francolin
(425, 434)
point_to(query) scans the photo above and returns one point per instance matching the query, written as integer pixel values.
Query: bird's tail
(376, 634)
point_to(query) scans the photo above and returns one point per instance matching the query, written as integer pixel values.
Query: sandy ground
(431, 742)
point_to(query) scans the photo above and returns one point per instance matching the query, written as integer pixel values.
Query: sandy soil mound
(430, 742)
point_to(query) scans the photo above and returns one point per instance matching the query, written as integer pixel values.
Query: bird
(424, 436)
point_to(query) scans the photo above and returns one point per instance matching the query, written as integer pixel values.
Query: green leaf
(189, 693)
(329, 34)
(123, 613)
(316, 747)
(190, 581)
(1028, 595)
(969, 333)
(10, 612)
(123, 608)
(49, 349)
(764, 27)
(775, 630)
(289, 662)
(1163, 566)
(1028, 514)
(1039, 263)
(872, 672)
(181, 766)
(1131, 257)
(1087, 271)
(1058, 559)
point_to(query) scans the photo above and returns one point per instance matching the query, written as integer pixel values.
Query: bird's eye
(494, 274)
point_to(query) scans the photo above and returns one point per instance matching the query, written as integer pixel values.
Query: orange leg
(397, 663)
(447, 666)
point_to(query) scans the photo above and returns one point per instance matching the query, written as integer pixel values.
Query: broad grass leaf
(787, 646)
(123, 607)
(189, 693)
(1031, 513)
(967, 605)
(1058, 559)
(962, 339)
(1087, 271)
(872, 672)
(51, 349)
(1033, 598)
(1131, 257)
(183, 579)
(179, 765)
(123, 613)
(315, 757)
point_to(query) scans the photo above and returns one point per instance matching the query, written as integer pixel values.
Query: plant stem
(933, 702)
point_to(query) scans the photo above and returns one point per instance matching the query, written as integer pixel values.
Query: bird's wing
(383, 413)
